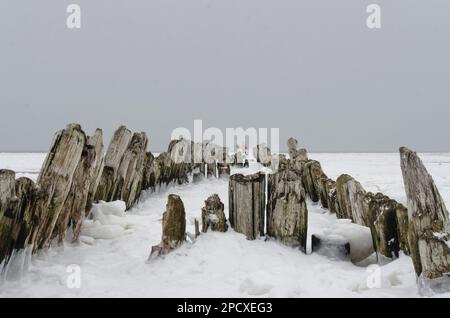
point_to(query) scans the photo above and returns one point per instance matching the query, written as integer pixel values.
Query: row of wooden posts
(280, 210)
(422, 231)
(76, 173)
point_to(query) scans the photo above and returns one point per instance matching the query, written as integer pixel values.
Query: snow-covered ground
(24, 164)
(113, 252)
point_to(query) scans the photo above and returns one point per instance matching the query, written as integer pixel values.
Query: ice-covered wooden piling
(246, 204)
(128, 183)
(381, 214)
(7, 190)
(312, 174)
(294, 153)
(349, 194)
(55, 180)
(182, 159)
(81, 194)
(25, 217)
(61, 196)
(287, 214)
(327, 194)
(76, 174)
(173, 226)
(213, 215)
(116, 149)
(8, 202)
(95, 141)
(263, 154)
(125, 172)
(148, 174)
(74, 208)
(428, 230)
(385, 217)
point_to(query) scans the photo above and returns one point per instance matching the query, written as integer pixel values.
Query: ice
(97, 230)
(116, 208)
(114, 246)
(107, 220)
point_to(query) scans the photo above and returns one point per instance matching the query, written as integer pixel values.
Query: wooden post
(428, 229)
(349, 195)
(263, 154)
(287, 214)
(380, 215)
(96, 141)
(74, 209)
(247, 201)
(213, 215)
(173, 226)
(148, 178)
(128, 183)
(312, 173)
(327, 194)
(55, 180)
(116, 149)
(8, 203)
(26, 219)
(294, 153)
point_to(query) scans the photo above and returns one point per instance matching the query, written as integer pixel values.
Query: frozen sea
(112, 255)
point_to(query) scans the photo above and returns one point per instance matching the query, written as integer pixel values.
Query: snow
(358, 236)
(114, 246)
(213, 218)
(380, 172)
(24, 164)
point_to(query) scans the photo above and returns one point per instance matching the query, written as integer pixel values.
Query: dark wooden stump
(173, 227)
(213, 215)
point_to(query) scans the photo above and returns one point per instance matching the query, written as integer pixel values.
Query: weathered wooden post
(16, 226)
(25, 219)
(116, 149)
(173, 227)
(148, 177)
(380, 215)
(263, 154)
(55, 180)
(196, 228)
(312, 173)
(294, 153)
(74, 209)
(223, 170)
(213, 215)
(7, 189)
(239, 159)
(246, 204)
(403, 228)
(287, 214)
(8, 203)
(96, 141)
(428, 220)
(327, 194)
(128, 183)
(224, 165)
(349, 195)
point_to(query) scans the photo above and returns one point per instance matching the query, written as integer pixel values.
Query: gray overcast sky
(310, 67)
